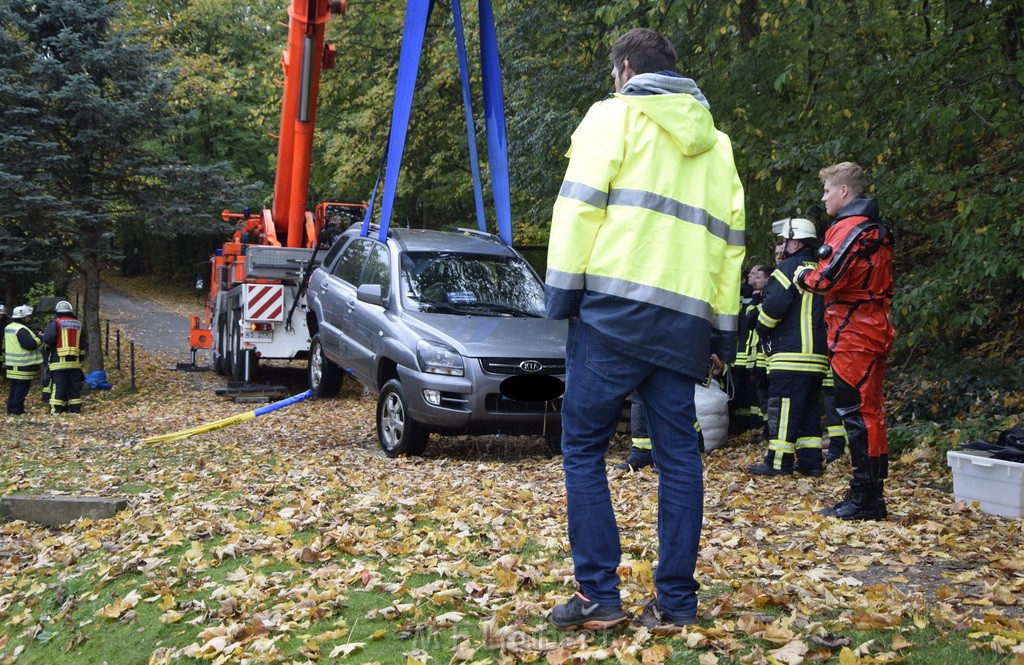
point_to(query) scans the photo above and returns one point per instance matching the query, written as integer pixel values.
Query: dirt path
(147, 323)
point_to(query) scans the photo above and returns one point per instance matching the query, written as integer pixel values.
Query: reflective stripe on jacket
(65, 338)
(647, 233)
(20, 362)
(791, 324)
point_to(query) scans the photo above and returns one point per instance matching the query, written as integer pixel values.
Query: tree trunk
(748, 20)
(91, 270)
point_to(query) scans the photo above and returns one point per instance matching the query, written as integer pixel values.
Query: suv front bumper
(474, 403)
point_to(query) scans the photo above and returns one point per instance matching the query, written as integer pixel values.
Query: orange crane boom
(301, 62)
(257, 277)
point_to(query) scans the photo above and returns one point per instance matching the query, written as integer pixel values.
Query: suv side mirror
(370, 293)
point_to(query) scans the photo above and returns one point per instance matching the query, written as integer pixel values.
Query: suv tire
(397, 432)
(324, 376)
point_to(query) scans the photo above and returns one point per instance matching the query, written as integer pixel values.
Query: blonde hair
(845, 173)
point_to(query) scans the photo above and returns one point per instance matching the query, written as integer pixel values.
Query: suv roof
(456, 240)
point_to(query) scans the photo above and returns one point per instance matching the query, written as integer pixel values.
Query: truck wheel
(324, 376)
(245, 360)
(554, 443)
(397, 432)
(218, 350)
(231, 346)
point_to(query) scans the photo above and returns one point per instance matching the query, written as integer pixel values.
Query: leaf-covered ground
(292, 538)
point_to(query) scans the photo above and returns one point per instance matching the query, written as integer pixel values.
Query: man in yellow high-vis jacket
(644, 259)
(22, 358)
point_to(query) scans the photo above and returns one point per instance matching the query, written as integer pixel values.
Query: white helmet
(3, 310)
(794, 228)
(21, 312)
(64, 307)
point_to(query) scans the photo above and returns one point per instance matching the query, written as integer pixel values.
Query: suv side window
(352, 259)
(331, 254)
(378, 269)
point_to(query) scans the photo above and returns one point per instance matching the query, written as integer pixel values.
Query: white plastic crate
(997, 485)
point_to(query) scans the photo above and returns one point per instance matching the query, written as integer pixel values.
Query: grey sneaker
(653, 617)
(579, 613)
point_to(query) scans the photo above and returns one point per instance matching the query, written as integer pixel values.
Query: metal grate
(276, 262)
(545, 366)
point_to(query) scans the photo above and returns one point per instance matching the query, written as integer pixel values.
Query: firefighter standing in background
(833, 421)
(65, 338)
(792, 330)
(22, 357)
(854, 273)
(4, 320)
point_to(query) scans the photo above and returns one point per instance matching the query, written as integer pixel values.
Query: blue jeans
(598, 379)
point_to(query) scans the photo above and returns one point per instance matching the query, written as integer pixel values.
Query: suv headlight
(437, 358)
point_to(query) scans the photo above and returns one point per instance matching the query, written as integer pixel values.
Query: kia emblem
(531, 366)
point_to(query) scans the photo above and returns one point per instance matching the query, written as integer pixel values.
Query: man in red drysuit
(854, 274)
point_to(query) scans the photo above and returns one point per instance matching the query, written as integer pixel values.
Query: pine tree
(21, 154)
(104, 106)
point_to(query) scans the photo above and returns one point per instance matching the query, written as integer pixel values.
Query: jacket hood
(681, 115)
(862, 206)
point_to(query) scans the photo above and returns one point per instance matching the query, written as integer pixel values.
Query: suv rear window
(457, 283)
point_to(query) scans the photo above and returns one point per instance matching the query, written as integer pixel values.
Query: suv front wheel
(397, 432)
(324, 376)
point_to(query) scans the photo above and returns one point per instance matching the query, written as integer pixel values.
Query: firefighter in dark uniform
(792, 330)
(833, 421)
(65, 338)
(4, 320)
(22, 357)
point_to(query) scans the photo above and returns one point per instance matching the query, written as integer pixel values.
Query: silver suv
(446, 326)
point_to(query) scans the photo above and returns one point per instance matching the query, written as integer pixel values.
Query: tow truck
(256, 305)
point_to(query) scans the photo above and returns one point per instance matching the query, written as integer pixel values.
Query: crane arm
(302, 63)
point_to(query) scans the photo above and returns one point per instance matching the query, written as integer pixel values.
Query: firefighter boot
(637, 459)
(768, 466)
(808, 462)
(836, 449)
(863, 501)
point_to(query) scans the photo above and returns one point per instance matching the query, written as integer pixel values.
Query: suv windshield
(454, 283)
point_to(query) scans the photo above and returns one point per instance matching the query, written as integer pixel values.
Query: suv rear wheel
(324, 376)
(397, 432)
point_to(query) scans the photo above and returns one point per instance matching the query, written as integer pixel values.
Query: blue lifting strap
(494, 112)
(373, 197)
(417, 14)
(467, 105)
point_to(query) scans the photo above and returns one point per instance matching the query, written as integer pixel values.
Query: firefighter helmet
(64, 307)
(794, 228)
(21, 312)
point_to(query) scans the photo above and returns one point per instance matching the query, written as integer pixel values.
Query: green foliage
(945, 403)
(38, 291)
(927, 95)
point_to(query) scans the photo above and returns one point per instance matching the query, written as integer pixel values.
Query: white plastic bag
(712, 414)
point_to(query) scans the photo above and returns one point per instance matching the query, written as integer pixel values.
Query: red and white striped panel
(264, 302)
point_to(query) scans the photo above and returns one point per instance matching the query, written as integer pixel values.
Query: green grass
(385, 618)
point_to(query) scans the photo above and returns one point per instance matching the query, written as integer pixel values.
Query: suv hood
(493, 336)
